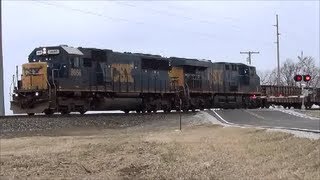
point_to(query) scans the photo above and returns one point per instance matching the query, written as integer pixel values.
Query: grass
(199, 152)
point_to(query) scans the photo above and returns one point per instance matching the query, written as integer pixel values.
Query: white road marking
(214, 111)
(264, 127)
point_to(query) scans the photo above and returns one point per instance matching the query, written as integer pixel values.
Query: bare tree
(307, 65)
(272, 79)
(288, 70)
(268, 77)
(304, 65)
(264, 75)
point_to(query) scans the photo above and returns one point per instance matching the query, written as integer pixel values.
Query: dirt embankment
(155, 150)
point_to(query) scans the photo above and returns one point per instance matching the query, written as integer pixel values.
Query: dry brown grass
(199, 152)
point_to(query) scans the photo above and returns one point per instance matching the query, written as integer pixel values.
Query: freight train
(289, 96)
(66, 79)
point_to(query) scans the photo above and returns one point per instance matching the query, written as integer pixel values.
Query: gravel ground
(26, 126)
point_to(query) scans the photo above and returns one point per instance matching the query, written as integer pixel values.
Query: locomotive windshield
(44, 55)
(243, 70)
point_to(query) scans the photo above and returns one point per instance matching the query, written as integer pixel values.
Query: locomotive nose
(34, 76)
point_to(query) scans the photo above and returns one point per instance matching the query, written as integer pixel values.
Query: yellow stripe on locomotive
(34, 76)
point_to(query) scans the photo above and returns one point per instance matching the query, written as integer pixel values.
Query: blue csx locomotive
(66, 79)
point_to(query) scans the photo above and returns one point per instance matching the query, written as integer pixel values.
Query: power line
(203, 21)
(88, 12)
(116, 19)
(236, 28)
(249, 55)
(207, 35)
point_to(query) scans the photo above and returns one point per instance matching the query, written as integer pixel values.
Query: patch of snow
(298, 114)
(315, 106)
(212, 119)
(102, 112)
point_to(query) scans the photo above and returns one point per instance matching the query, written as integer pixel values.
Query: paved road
(268, 118)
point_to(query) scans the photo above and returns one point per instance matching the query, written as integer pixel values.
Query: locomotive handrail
(49, 86)
(55, 87)
(12, 83)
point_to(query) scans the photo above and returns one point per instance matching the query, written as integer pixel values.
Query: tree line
(289, 68)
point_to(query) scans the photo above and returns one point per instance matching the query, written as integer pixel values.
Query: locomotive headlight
(16, 95)
(37, 93)
(44, 51)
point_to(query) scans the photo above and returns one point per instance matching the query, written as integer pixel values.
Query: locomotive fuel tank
(125, 104)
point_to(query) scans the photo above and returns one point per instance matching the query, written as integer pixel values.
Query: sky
(215, 30)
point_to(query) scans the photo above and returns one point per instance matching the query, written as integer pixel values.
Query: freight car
(67, 79)
(289, 96)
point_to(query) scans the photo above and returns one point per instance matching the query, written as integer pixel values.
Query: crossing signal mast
(304, 92)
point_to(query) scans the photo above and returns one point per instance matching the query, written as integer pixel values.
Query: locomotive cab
(46, 68)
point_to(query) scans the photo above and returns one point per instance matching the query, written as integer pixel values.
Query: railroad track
(120, 113)
(89, 115)
(313, 109)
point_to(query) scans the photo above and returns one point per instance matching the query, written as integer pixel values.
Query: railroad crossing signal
(307, 78)
(299, 78)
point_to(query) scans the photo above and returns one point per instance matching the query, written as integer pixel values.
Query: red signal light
(307, 78)
(298, 78)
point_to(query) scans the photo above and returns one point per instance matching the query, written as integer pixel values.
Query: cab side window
(74, 62)
(252, 71)
(227, 67)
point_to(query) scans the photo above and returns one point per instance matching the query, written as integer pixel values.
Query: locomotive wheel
(30, 114)
(126, 111)
(48, 112)
(167, 110)
(65, 112)
(138, 111)
(82, 112)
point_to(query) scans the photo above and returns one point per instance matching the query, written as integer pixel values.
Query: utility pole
(1, 67)
(278, 56)
(249, 55)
